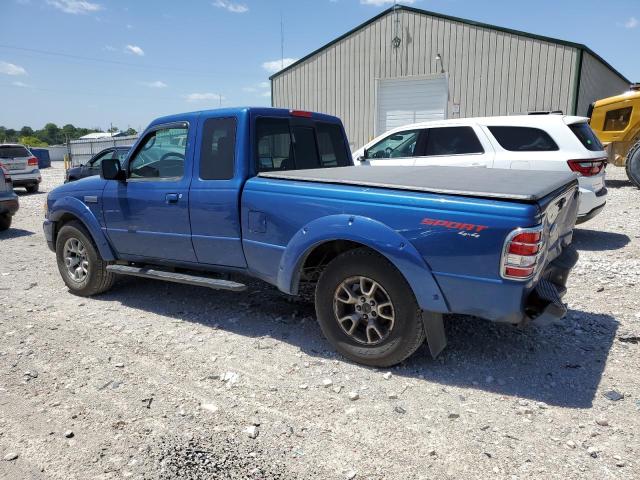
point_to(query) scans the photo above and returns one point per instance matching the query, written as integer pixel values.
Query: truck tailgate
(560, 210)
(521, 185)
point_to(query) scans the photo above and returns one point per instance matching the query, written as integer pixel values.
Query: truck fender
(73, 206)
(370, 233)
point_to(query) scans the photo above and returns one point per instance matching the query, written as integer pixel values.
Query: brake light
(587, 167)
(32, 162)
(522, 253)
(300, 113)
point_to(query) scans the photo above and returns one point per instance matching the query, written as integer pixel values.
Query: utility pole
(281, 41)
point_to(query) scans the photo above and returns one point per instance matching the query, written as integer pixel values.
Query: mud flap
(434, 331)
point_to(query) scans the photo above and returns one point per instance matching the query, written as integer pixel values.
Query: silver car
(22, 166)
(8, 199)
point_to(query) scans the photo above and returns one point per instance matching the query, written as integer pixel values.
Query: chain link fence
(81, 151)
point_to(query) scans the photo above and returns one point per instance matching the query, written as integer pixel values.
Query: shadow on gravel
(619, 183)
(597, 241)
(24, 193)
(15, 233)
(559, 364)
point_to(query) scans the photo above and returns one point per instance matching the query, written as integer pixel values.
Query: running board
(195, 280)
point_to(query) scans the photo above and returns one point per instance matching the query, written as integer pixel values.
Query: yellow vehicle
(616, 121)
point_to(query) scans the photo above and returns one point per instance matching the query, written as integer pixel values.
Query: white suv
(22, 166)
(532, 142)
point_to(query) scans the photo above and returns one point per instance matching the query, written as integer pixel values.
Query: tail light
(300, 113)
(522, 253)
(32, 162)
(588, 167)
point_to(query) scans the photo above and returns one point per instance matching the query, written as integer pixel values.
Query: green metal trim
(577, 78)
(579, 46)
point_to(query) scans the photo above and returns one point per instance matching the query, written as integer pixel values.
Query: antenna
(281, 41)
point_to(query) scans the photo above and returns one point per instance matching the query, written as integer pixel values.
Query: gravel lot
(155, 380)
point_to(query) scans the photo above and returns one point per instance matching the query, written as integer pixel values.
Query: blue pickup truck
(207, 198)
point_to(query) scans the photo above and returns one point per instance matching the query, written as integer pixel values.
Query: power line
(110, 62)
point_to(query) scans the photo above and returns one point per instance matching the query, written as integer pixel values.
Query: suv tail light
(588, 167)
(32, 162)
(522, 253)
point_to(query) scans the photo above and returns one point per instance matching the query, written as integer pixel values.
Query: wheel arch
(69, 209)
(323, 239)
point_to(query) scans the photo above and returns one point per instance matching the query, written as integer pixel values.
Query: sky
(96, 63)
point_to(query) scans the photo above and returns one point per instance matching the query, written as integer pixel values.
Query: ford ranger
(205, 198)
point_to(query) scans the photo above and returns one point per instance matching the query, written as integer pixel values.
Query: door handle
(173, 197)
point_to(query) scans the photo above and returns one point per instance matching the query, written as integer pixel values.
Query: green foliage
(131, 131)
(32, 141)
(50, 134)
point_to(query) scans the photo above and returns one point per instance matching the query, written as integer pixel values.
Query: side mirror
(111, 170)
(362, 158)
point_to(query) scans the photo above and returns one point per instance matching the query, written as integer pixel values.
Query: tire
(96, 279)
(633, 164)
(33, 188)
(5, 222)
(376, 347)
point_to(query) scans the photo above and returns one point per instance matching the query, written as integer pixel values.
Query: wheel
(367, 310)
(5, 222)
(33, 188)
(80, 263)
(633, 164)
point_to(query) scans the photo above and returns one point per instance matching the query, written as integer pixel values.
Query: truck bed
(521, 185)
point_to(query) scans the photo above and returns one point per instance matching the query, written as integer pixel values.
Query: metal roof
(474, 23)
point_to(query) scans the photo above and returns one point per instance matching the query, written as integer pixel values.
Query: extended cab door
(456, 146)
(215, 192)
(148, 214)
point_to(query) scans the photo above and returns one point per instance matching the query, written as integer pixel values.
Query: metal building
(407, 65)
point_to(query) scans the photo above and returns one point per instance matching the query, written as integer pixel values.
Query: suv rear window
(586, 136)
(13, 151)
(523, 139)
(282, 146)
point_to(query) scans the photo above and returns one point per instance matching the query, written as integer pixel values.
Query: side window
(217, 152)
(452, 141)
(273, 141)
(617, 120)
(160, 154)
(98, 160)
(523, 139)
(121, 155)
(331, 146)
(397, 145)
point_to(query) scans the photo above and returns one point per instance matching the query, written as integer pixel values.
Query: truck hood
(93, 184)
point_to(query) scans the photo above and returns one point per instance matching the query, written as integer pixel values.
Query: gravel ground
(163, 381)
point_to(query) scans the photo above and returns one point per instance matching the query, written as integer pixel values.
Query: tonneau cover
(525, 185)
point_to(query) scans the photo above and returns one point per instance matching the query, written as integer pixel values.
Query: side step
(195, 280)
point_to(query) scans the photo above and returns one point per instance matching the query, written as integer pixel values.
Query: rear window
(586, 136)
(452, 141)
(618, 119)
(523, 139)
(281, 146)
(12, 151)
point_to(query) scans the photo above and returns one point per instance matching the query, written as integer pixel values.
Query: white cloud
(134, 49)
(631, 23)
(20, 84)
(266, 94)
(156, 84)
(204, 97)
(11, 69)
(230, 6)
(109, 48)
(75, 7)
(380, 3)
(274, 66)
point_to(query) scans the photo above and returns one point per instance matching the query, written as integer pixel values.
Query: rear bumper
(23, 179)
(589, 215)
(9, 204)
(590, 201)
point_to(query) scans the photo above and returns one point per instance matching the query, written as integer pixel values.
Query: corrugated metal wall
(597, 81)
(490, 72)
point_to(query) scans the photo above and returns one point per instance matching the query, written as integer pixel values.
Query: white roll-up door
(400, 101)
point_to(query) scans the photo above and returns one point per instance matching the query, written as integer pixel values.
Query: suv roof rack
(546, 112)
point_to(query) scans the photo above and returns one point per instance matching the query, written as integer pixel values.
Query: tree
(131, 131)
(50, 134)
(26, 131)
(32, 141)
